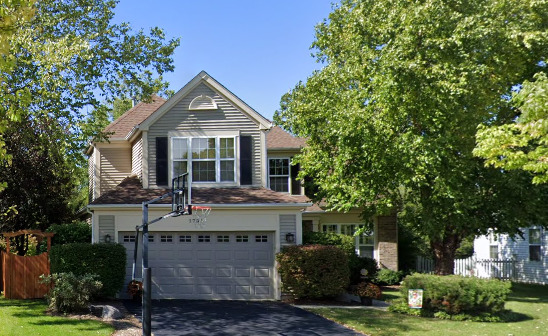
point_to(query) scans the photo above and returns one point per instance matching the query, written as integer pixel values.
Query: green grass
(28, 318)
(530, 302)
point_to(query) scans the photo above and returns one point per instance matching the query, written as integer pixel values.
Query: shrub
(313, 271)
(108, 261)
(389, 277)
(368, 289)
(77, 232)
(456, 294)
(347, 244)
(71, 293)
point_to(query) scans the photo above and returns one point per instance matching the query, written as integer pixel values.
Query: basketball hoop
(199, 215)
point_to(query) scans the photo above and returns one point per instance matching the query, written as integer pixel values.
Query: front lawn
(27, 317)
(529, 301)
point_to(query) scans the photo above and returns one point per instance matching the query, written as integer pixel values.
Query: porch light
(290, 237)
(108, 238)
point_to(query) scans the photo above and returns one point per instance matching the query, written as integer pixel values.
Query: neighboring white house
(530, 252)
(240, 166)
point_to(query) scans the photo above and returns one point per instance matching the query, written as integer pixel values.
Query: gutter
(213, 206)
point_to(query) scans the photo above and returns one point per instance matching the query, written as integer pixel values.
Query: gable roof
(204, 77)
(123, 126)
(278, 139)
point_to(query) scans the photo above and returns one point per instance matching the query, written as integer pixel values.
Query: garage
(207, 265)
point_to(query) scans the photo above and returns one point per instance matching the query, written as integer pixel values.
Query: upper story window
(282, 176)
(210, 159)
(535, 240)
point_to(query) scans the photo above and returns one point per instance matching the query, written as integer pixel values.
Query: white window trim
(539, 244)
(217, 159)
(289, 182)
(357, 244)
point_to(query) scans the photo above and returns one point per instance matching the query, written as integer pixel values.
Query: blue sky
(258, 49)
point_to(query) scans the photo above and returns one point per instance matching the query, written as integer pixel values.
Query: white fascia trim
(215, 206)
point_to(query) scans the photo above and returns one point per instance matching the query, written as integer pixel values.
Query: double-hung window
(535, 239)
(278, 170)
(210, 159)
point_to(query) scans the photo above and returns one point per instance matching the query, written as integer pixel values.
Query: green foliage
(455, 295)
(391, 118)
(71, 293)
(76, 232)
(389, 277)
(108, 261)
(313, 271)
(67, 58)
(522, 144)
(347, 244)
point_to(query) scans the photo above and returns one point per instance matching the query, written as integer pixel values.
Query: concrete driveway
(196, 317)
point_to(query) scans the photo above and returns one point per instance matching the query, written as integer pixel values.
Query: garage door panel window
(365, 243)
(185, 239)
(204, 239)
(261, 239)
(166, 239)
(242, 239)
(223, 239)
(129, 239)
(150, 238)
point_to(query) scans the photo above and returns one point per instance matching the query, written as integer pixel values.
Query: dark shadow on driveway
(196, 317)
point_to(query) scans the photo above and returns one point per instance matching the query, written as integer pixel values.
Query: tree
(522, 144)
(40, 180)
(68, 59)
(391, 118)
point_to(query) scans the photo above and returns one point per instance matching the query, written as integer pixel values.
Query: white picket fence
(481, 268)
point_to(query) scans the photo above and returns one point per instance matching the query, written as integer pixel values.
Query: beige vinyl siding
(115, 166)
(225, 118)
(137, 158)
(288, 224)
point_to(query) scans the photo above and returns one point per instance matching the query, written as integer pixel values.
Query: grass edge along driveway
(526, 299)
(28, 317)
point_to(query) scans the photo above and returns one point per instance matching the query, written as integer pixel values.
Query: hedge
(77, 232)
(108, 261)
(313, 271)
(457, 294)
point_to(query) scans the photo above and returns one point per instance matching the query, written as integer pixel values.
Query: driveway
(212, 318)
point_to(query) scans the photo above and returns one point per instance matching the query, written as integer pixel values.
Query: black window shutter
(161, 161)
(295, 184)
(246, 148)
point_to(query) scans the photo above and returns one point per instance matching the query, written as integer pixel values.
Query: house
(529, 253)
(239, 165)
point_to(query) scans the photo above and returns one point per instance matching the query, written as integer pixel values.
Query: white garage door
(207, 265)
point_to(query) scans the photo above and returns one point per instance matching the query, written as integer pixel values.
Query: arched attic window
(203, 102)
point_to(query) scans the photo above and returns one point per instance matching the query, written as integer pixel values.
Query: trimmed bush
(313, 271)
(455, 295)
(108, 261)
(77, 232)
(388, 277)
(347, 244)
(71, 293)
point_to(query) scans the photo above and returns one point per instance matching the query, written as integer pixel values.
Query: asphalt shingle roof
(277, 138)
(133, 117)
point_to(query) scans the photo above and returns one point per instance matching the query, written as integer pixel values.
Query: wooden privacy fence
(21, 274)
(481, 268)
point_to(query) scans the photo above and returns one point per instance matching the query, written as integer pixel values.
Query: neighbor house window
(493, 245)
(206, 159)
(365, 243)
(534, 244)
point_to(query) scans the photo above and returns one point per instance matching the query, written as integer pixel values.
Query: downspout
(92, 230)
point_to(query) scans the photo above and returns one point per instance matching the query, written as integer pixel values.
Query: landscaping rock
(106, 312)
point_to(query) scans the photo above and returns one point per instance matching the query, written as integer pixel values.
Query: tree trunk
(444, 254)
